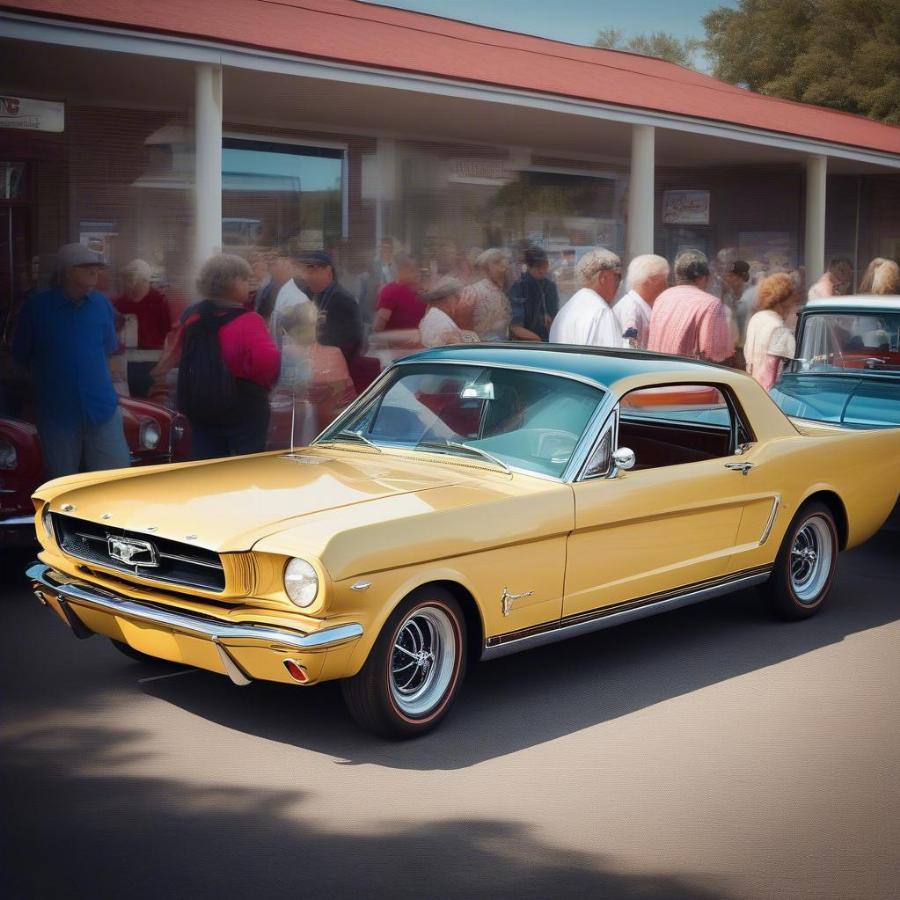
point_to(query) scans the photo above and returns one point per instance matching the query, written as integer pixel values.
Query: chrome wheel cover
(811, 556)
(423, 660)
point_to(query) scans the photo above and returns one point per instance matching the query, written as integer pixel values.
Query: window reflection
(275, 193)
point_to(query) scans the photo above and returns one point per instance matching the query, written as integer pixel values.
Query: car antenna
(293, 415)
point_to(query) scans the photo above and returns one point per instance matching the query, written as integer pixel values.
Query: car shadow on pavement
(521, 701)
(77, 824)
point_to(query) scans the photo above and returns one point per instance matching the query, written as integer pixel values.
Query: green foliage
(658, 43)
(839, 53)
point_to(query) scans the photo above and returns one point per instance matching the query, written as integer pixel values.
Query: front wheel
(804, 567)
(414, 671)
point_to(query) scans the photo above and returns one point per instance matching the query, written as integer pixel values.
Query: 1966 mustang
(475, 501)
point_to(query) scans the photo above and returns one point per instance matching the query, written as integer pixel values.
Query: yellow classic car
(476, 501)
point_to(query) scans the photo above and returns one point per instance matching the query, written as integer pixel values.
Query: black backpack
(207, 391)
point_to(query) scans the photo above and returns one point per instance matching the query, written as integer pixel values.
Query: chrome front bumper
(70, 594)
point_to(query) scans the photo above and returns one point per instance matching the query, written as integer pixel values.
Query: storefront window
(274, 193)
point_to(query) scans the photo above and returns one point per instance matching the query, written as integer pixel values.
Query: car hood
(228, 505)
(855, 401)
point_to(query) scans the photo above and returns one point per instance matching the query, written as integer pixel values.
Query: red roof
(353, 32)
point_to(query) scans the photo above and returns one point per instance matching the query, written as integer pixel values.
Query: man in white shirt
(588, 318)
(648, 277)
(437, 326)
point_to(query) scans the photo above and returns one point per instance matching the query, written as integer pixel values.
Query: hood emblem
(67, 507)
(132, 552)
(508, 600)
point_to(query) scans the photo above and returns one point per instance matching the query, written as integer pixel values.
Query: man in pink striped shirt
(686, 320)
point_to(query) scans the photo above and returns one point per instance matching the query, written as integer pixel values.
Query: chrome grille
(174, 562)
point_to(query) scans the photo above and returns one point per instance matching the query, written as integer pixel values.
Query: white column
(814, 255)
(640, 191)
(208, 171)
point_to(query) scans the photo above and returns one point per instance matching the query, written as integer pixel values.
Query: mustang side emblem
(507, 599)
(132, 552)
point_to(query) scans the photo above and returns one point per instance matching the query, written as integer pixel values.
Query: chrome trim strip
(609, 619)
(80, 593)
(17, 520)
(194, 562)
(768, 529)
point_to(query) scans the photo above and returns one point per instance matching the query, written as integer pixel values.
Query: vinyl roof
(359, 33)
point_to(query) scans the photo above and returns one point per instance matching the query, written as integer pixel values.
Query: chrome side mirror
(624, 458)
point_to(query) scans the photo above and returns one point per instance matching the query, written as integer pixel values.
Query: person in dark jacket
(533, 298)
(340, 323)
(230, 417)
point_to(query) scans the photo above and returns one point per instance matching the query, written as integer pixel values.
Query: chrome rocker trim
(70, 592)
(596, 620)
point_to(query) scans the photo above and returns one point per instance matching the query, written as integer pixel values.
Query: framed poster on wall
(769, 250)
(685, 208)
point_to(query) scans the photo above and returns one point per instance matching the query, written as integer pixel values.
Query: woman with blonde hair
(770, 339)
(314, 377)
(882, 277)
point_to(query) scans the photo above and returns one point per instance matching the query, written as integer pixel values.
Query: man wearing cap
(340, 324)
(64, 336)
(438, 326)
(533, 298)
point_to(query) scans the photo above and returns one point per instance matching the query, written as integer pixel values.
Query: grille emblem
(132, 552)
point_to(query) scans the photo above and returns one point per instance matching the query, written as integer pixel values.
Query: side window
(675, 424)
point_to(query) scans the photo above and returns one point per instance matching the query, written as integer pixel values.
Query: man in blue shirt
(64, 336)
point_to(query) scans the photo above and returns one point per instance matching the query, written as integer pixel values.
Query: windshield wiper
(465, 448)
(353, 436)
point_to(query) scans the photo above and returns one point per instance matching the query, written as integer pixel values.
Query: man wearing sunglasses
(588, 318)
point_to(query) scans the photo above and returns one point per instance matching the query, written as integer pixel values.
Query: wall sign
(23, 114)
(685, 208)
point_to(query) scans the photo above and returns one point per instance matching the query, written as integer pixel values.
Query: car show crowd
(273, 348)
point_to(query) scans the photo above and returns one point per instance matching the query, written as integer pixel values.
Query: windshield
(842, 341)
(504, 417)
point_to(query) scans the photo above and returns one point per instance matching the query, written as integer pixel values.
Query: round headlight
(150, 434)
(9, 459)
(301, 582)
(47, 522)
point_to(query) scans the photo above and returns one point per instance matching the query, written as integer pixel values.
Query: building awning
(362, 34)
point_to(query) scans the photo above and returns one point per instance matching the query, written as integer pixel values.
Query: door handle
(742, 467)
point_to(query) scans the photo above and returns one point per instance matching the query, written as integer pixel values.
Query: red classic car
(154, 434)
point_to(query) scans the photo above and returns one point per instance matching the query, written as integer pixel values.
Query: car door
(678, 518)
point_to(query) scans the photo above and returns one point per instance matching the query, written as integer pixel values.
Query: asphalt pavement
(709, 752)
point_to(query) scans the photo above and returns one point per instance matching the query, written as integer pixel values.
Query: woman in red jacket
(229, 363)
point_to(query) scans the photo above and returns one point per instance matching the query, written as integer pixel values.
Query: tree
(658, 43)
(839, 53)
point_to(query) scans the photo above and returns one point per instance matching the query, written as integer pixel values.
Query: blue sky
(575, 21)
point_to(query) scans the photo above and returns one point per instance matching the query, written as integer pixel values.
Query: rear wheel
(414, 671)
(805, 565)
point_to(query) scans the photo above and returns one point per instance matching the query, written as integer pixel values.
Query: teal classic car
(847, 370)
